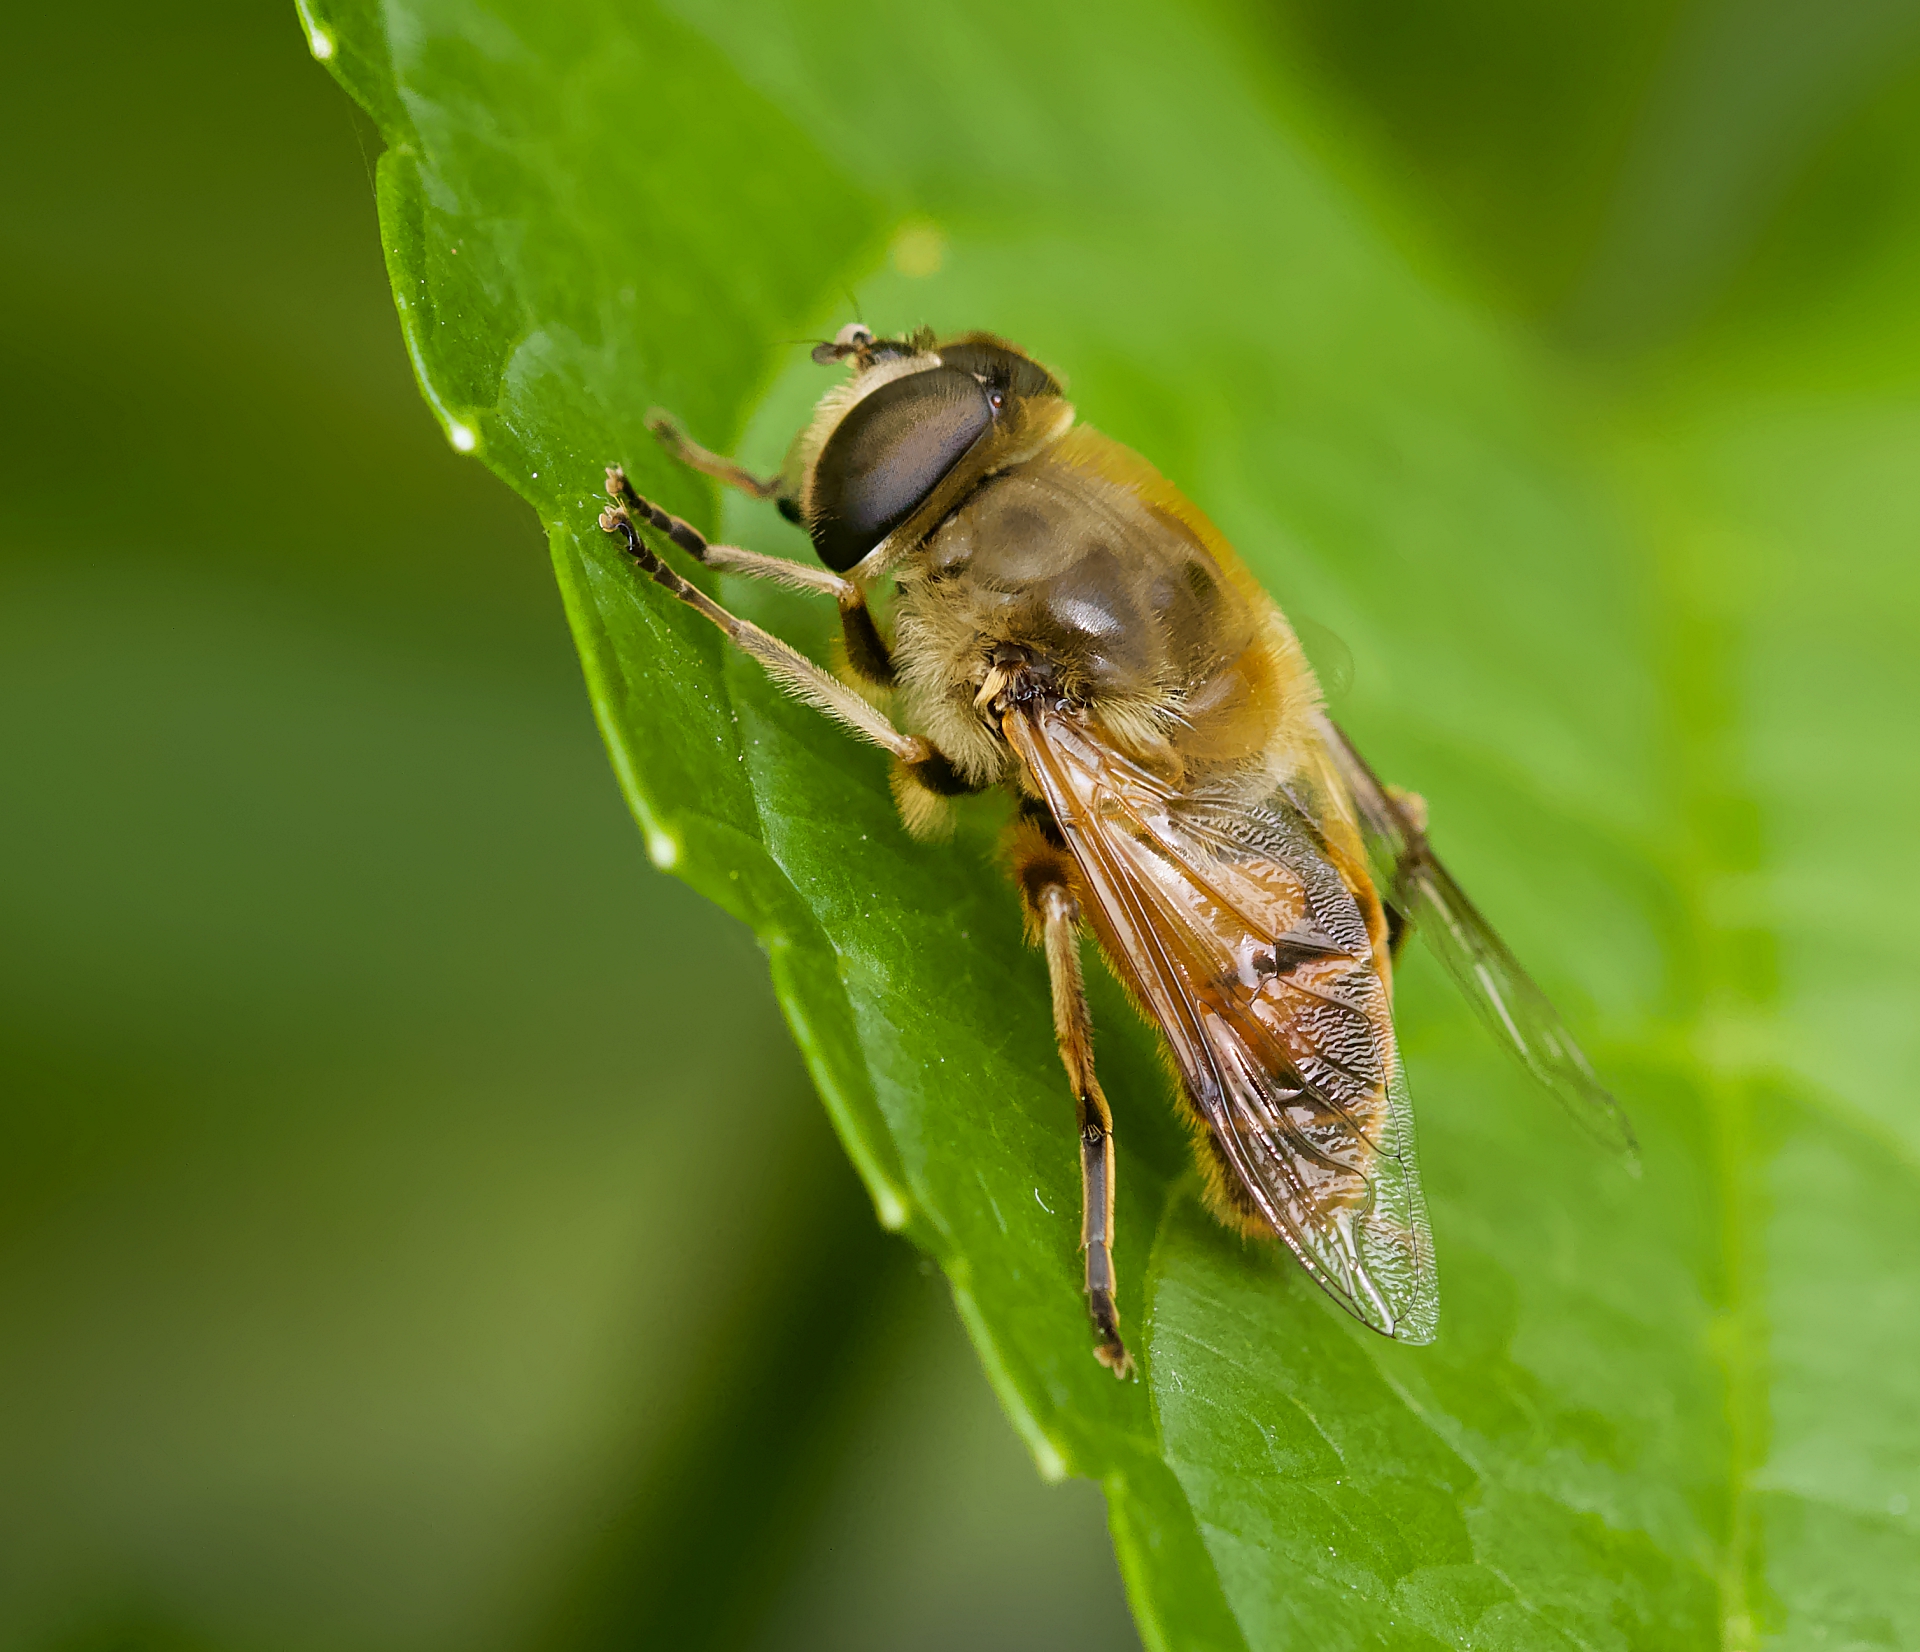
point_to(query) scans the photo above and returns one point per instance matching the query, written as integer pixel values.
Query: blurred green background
(415, 1228)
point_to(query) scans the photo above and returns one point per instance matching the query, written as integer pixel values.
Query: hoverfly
(1068, 626)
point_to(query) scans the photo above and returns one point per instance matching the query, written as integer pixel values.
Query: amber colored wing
(1241, 939)
(1515, 1010)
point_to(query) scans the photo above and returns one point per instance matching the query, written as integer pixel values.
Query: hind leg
(1053, 913)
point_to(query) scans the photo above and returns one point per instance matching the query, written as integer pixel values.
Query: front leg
(666, 430)
(867, 651)
(789, 668)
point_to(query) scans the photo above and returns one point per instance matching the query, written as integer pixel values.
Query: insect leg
(867, 651)
(667, 432)
(1054, 911)
(796, 576)
(1399, 928)
(788, 667)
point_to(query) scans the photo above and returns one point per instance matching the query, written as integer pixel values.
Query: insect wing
(1251, 953)
(1501, 992)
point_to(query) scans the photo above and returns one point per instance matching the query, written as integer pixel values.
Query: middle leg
(1043, 869)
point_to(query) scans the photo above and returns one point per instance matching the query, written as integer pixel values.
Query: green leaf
(1601, 621)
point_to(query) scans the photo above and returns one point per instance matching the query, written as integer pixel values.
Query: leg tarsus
(1110, 1351)
(1096, 1147)
(683, 534)
(614, 519)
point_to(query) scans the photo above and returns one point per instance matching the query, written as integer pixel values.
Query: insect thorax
(1086, 564)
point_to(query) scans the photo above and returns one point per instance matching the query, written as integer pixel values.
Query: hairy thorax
(1090, 567)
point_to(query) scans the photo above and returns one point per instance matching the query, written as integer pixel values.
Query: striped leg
(867, 651)
(788, 667)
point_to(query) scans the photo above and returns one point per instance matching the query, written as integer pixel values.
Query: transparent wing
(1250, 951)
(1515, 1010)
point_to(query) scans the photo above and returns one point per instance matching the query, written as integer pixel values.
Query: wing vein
(1294, 1075)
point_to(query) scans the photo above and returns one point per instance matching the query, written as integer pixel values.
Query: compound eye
(853, 336)
(1004, 370)
(888, 454)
